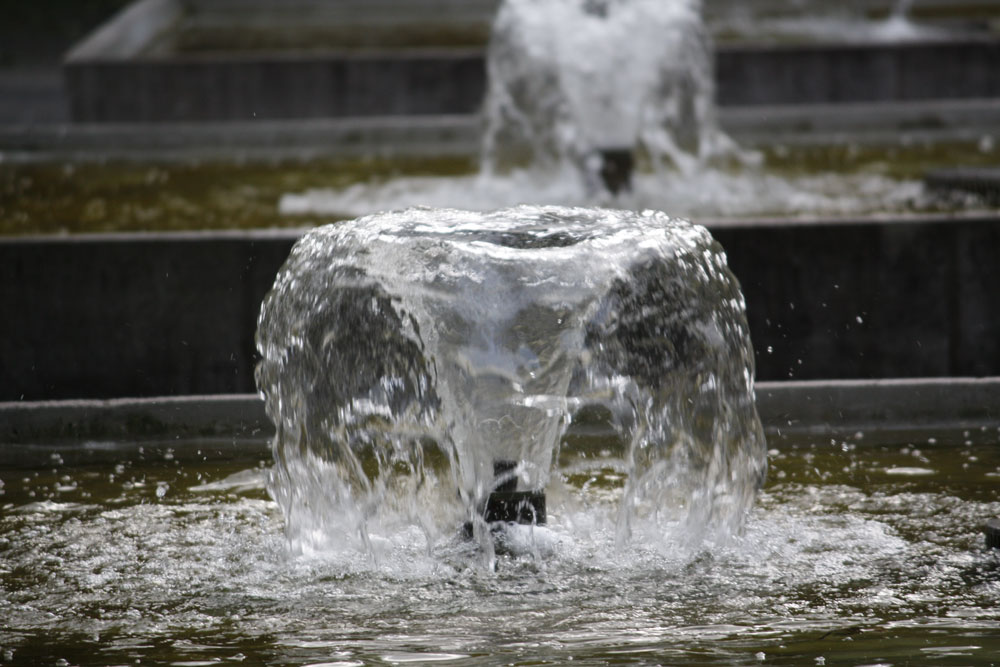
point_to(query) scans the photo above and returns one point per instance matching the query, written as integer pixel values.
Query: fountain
(631, 76)
(426, 358)
(609, 354)
(616, 110)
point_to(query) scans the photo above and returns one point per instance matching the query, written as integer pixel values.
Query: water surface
(854, 554)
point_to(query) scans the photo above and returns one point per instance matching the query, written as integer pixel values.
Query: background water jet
(569, 82)
(613, 103)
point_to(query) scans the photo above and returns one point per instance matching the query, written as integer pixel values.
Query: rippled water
(854, 554)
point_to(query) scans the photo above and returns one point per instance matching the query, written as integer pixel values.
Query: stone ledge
(820, 409)
(104, 316)
(881, 410)
(212, 416)
(981, 181)
(865, 124)
(117, 74)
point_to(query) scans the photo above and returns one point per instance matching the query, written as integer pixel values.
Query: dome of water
(404, 353)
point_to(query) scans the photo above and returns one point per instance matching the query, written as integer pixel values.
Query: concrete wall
(160, 315)
(100, 317)
(869, 299)
(825, 73)
(258, 88)
(113, 77)
(453, 81)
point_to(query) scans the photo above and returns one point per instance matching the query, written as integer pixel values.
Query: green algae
(907, 159)
(94, 197)
(129, 197)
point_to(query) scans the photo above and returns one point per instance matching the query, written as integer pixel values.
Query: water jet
(630, 77)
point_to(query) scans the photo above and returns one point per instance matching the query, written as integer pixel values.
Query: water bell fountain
(433, 359)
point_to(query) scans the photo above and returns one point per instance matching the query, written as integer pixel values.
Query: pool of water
(855, 553)
(790, 181)
(72, 197)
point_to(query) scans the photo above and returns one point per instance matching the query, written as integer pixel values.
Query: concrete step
(32, 95)
(128, 71)
(101, 316)
(240, 87)
(871, 124)
(864, 412)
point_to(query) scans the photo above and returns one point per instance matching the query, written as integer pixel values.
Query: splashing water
(898, 26)
(707, 193)
(403, 353)
(569, 78)
(838, 558)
